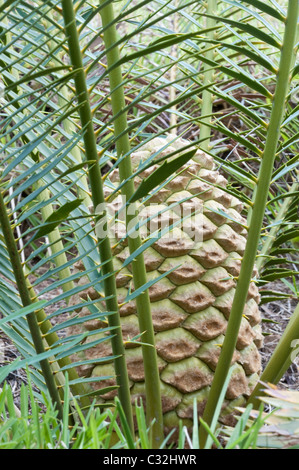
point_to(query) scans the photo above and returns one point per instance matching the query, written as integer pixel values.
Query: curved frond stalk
(70, 128)
(208, 78)
(260, 201)
(51, 338)
(95, 177)
(54, 236)
(45, 325)
(281, 358)
(55, 241)
(26, 301)
(151, 372)
(271, 236)
(173, 73)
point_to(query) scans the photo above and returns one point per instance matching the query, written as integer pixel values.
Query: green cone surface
(190, 305)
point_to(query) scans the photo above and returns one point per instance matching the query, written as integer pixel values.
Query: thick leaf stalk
(46, 210)
(207, 99)
(56, 243)
(258, 211)
(271, 236)
(26, 301)
(152, 382)
(56, 246)
(284, 354)
(95, 179)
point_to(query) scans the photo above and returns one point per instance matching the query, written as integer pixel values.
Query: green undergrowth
(34, 424)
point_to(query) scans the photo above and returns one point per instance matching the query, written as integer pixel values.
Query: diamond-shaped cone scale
(199, 252)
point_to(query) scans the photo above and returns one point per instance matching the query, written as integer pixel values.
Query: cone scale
(200, 257)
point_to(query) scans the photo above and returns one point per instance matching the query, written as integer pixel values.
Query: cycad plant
(129, 260)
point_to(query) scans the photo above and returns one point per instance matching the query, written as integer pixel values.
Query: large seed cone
(192, 303)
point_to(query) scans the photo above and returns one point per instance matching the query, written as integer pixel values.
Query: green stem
(26, 300)
(55, 241)
(95, 178)
(44, 324)
(52, 338)
(152, 380)
(173, 73)
(68, 124)
(271, 236)
(281, 358)
(258, 211)
(54, 236)
(70, 128)
(207, 99)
